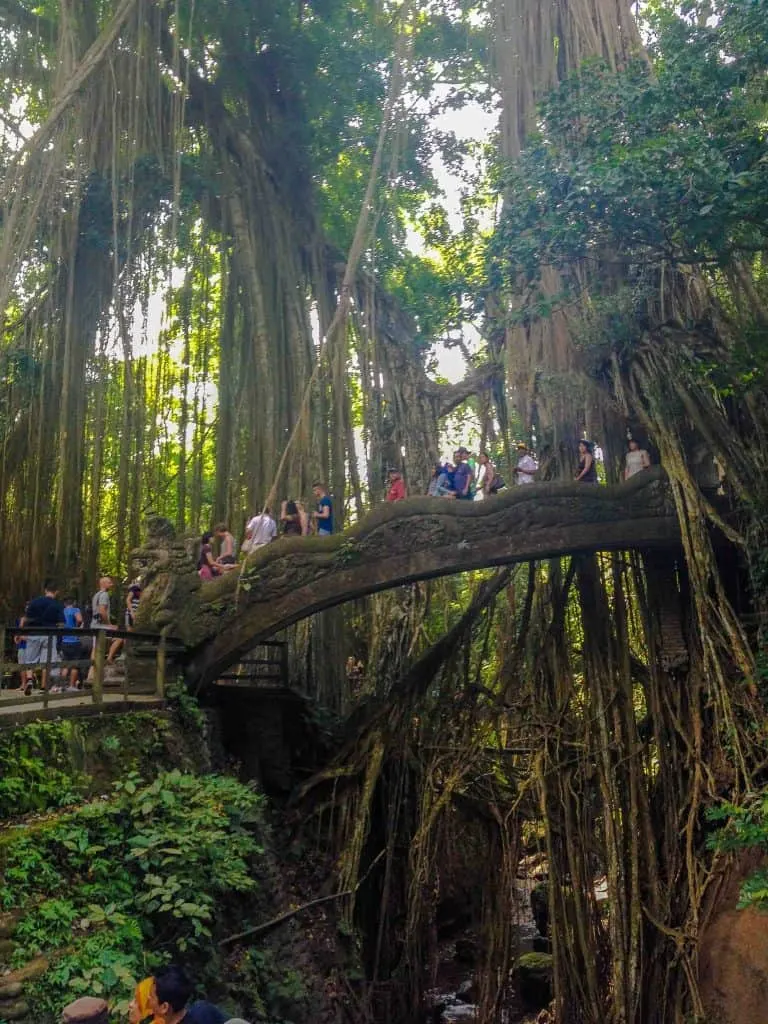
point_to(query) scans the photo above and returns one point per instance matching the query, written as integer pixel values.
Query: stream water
(451, 1001)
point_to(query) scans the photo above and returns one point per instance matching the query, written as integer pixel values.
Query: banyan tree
(208, 304)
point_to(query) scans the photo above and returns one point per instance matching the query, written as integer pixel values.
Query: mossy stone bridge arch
(417, 539)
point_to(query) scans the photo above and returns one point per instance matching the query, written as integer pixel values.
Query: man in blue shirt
(169, 1000)
(323, 516)
(462, 475)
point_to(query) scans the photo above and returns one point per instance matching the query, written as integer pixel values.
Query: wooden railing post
(99, 659)
(161, 664)
(2, 655)
(284, 665)
(47, 671)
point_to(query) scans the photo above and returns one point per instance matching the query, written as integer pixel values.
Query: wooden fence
(146, 663)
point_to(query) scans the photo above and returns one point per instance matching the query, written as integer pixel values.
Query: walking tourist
(293, 520)
(169, 1000)
(637, 459)
(396, 490)
(100, 605)
(206, 563)
(226, 546)
(323, 514)
(463, 475)
(25, 678)
(527, 467)
(486, 476)
(587, 472)
(71, 644)
(44, 612)
(260, 530)
(132, 599)
(101, 614)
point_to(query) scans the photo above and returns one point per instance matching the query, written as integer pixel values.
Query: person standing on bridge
(396, 490)
(293, 520)
(637, 459)
(261, 530)
(323, 514)
(463, 475)
(226, 546)
(527, 467)
(44, 612)
(587, 473)
(71, 644)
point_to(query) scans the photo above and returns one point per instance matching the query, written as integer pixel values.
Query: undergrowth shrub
(745, 828)
(48, 765)
(148, 868)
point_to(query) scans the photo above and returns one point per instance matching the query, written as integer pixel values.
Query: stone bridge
(417, 539)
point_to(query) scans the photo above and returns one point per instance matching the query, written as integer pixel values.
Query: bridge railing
(265, 667)
(147, 655)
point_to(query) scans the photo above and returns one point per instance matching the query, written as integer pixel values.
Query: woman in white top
(636, 461)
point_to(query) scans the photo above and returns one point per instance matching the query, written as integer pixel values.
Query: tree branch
(274, 922)
(448, 397)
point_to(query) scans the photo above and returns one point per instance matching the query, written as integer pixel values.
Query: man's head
(69, 600)
(220, 529)
(51, 587)
(522, 448)
(394, 474)
(463, 453)
(318, 489)
(170, 992)
(105, 583)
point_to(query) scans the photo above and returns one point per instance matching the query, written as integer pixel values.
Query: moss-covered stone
(533, 978)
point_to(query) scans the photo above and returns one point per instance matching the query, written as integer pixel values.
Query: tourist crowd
(67, 657)
(463, 479)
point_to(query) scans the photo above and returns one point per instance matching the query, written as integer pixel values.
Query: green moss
(47, 765)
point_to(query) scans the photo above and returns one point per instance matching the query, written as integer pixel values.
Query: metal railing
(266, 666)
(145, 662)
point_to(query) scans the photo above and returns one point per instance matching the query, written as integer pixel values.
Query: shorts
(129, 620)
(37, 650)
(228, 560)
(73, 652)
(323, 533)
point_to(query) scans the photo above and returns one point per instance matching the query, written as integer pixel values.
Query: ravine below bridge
(417, 539)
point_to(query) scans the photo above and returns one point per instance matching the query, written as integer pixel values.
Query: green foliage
(36, 770)
(151, 866)
(667, 162)
(745, 828)
(54, 764)
(268, 989)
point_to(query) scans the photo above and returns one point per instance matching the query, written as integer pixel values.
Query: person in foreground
(169, 999)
